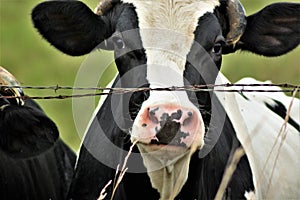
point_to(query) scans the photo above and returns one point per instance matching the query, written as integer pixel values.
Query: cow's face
(161, 52)
(159, 47)
(161, 57)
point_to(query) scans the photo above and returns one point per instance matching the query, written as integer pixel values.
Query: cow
(184, 139)
(35, 163)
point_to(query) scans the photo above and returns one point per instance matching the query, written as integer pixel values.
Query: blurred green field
(34, 62)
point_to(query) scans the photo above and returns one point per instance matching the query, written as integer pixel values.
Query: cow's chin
(167, 166)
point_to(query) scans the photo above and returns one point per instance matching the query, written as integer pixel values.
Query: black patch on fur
(281, 111)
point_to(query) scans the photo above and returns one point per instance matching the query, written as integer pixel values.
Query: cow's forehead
(180, 15)
(169, 25)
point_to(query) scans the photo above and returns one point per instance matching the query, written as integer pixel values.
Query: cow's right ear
(70, 26)
(273, 31)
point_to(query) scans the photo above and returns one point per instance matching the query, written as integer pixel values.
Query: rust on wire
(196, 88)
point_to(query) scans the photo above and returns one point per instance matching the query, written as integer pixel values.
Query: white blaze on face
(167, 31)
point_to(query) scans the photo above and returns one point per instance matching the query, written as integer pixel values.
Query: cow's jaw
(168, 170)
(167, 32)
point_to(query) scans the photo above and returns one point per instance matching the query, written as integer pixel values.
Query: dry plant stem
(282, 129)
(103, 191)
(284, 134)
(123, 170)
(239, 152)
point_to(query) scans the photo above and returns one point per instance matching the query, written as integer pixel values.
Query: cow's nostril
(188, 120)
(152, 115)
(153, 119)
(144, 125)
(152, 111)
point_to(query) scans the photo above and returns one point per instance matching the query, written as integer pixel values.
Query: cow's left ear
(273, 31)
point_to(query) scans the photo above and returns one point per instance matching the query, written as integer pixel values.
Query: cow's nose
(165, 124)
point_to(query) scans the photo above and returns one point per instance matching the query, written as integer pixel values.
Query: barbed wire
(57, 87)
(288, 88)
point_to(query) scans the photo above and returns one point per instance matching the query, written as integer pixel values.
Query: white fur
(257, 129)
(267, 97)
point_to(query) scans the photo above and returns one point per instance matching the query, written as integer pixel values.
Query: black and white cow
(185, 138)
(35, 163)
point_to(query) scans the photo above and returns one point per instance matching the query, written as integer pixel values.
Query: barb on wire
(227, 87)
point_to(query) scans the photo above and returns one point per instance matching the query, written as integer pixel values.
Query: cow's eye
(119, 42)
(217, 49)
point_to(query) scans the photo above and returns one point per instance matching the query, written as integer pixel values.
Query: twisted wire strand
(288, 88)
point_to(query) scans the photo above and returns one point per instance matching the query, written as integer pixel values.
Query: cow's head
(165, 43)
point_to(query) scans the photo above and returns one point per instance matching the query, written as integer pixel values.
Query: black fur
(281, 110)
(35, 163)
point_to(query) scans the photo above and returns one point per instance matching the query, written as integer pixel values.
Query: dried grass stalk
(118, 176)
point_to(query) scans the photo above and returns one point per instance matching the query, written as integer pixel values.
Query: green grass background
(34, 62)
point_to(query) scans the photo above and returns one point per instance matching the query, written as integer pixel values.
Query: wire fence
(101, 91)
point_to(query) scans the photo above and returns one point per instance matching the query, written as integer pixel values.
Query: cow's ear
(70, 26)
(273, 31)
(26, 131)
